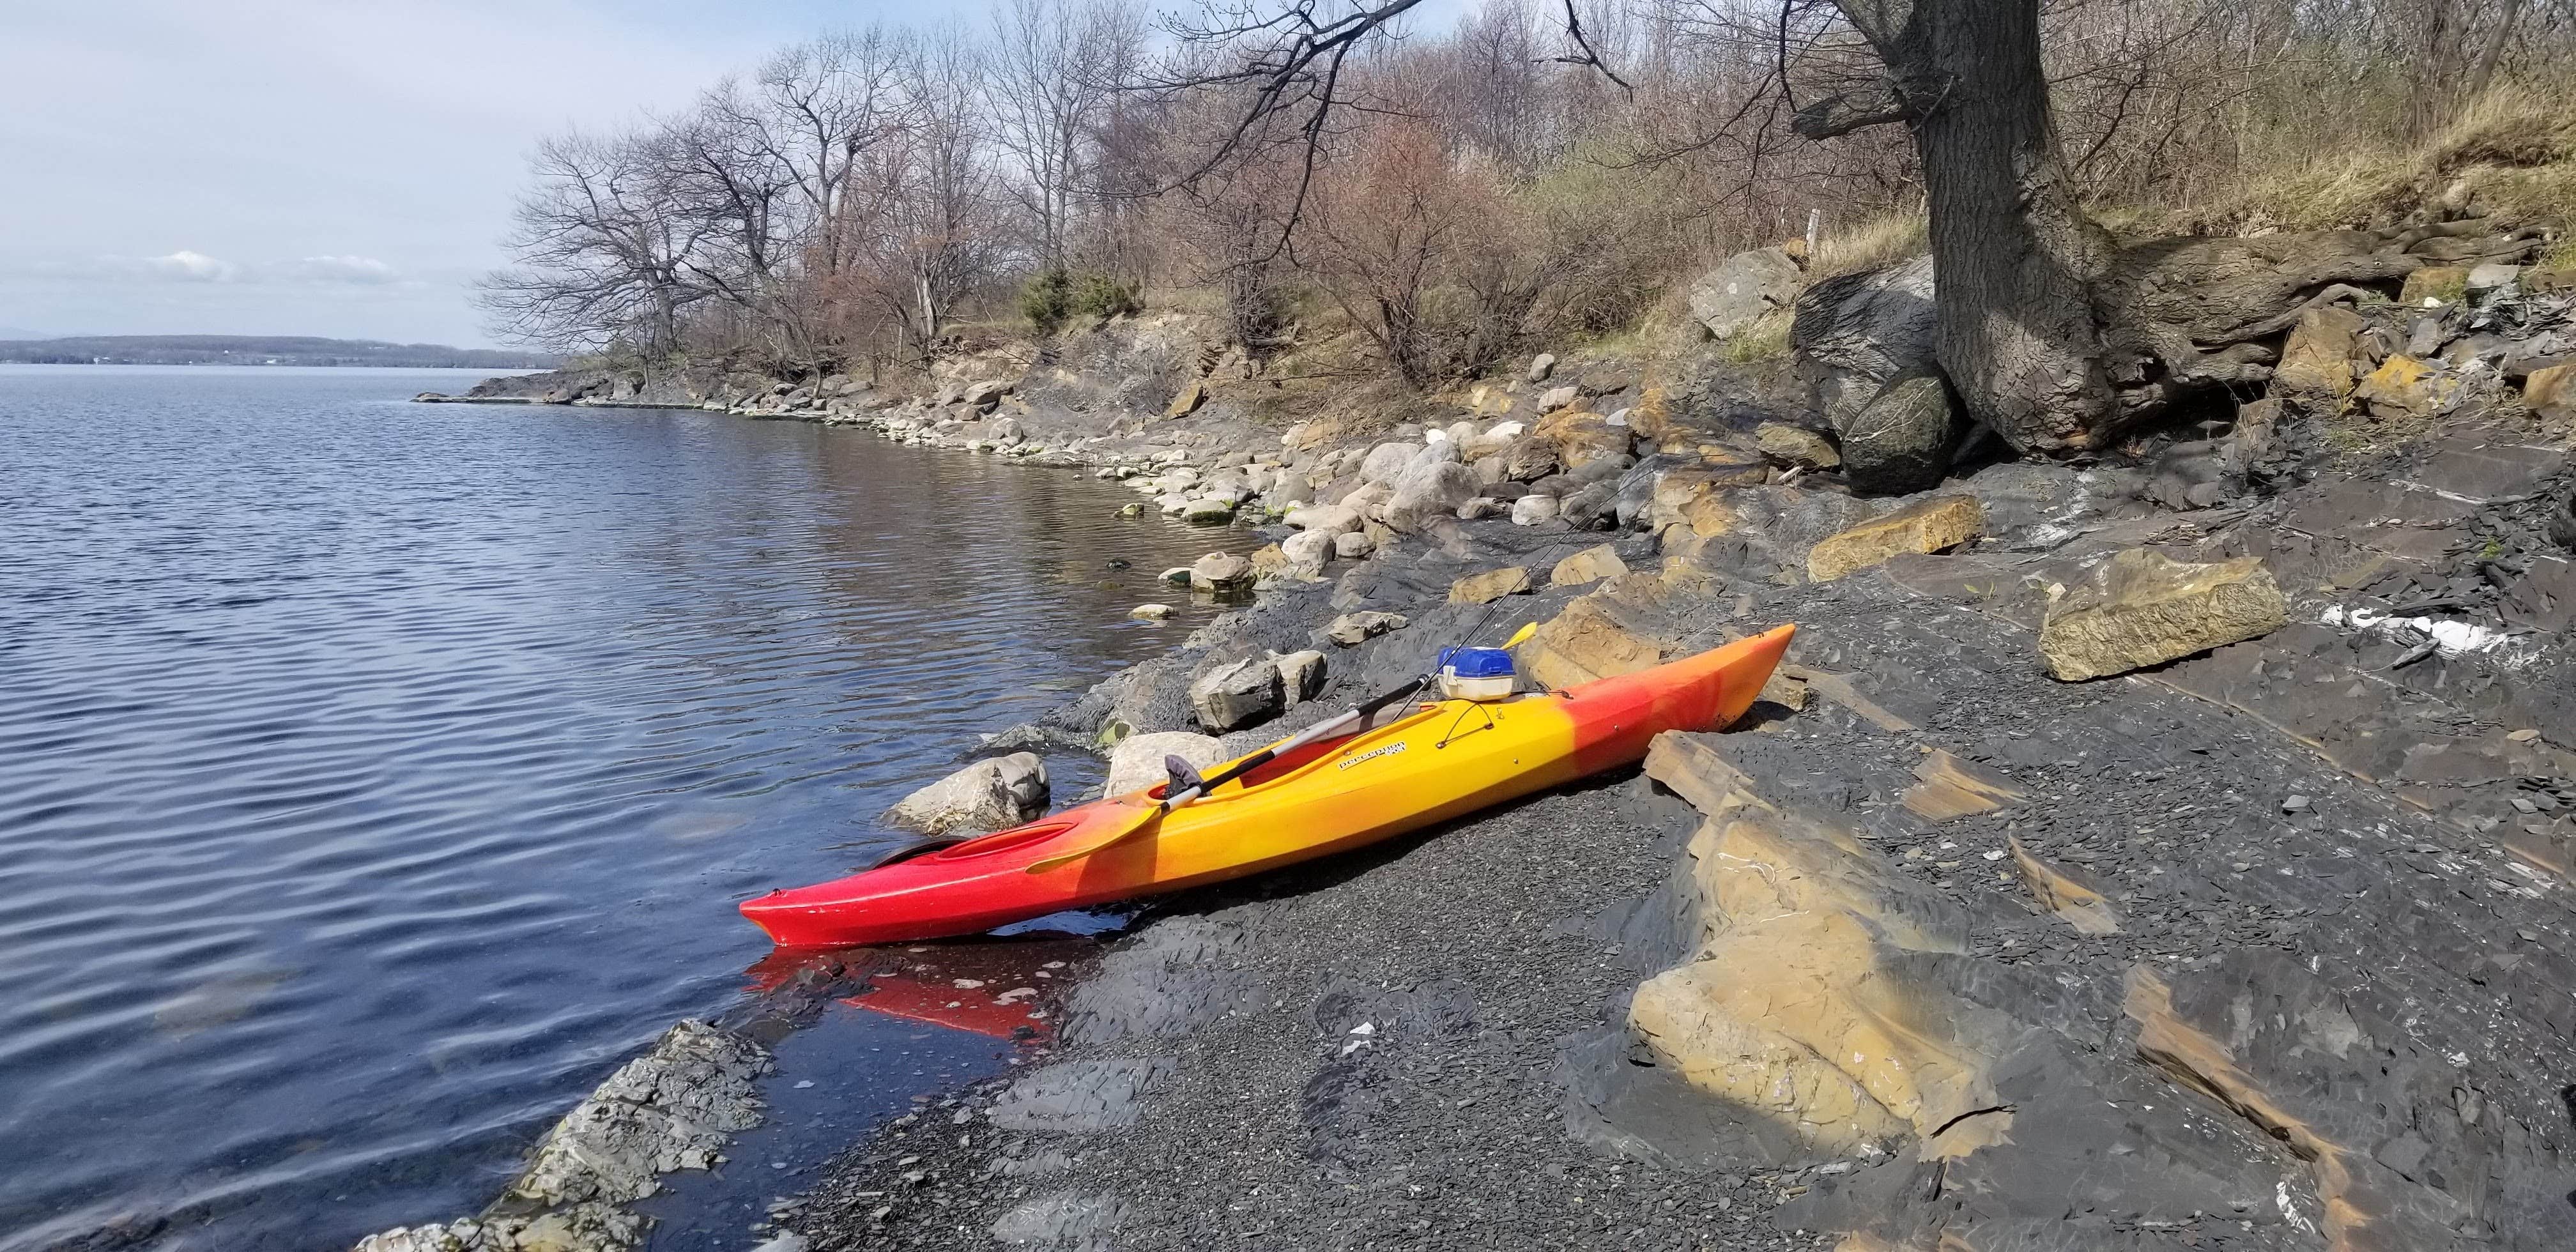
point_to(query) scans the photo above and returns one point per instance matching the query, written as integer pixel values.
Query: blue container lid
(1476, 662)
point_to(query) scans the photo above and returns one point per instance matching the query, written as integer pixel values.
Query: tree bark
(2014, 253)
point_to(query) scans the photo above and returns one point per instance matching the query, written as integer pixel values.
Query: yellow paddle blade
(1521, 636)
(1044, 864)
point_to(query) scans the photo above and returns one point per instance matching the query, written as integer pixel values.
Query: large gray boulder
(1308, 552)
(1435, 451)
(1590, 506)
(1387, 461)
(1744, 287)
(1860, 337)
(1900, 441)
(1237, 694)
(1331, 519)
(1301, 674)
(990, 794)
(1430, 488)
(1222, 571)
(1137, 761)
(1532, 510)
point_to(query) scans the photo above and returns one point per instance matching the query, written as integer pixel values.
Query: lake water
(375, 777)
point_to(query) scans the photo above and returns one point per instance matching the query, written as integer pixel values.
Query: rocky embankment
(2171, 853)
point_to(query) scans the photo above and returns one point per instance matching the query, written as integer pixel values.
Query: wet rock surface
(674, 1108)
(987, 795)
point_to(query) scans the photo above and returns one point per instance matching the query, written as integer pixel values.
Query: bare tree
(1382, 238)
(1054, 68)
(602, 256)
(821, 106)
(924, 230)
(770, 167)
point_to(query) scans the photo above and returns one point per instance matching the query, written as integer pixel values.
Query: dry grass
(1206, 300)
(1765, 340)
(2515, 146)
(1871, 244)
(2513, 125)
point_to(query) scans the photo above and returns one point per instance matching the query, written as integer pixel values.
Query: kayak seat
(1272, 770)
(917, 848)
(1290, 762)
(1004, 840)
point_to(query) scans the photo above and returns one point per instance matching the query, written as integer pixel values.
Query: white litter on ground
(2453, 638)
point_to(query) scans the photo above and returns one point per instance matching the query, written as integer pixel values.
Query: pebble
(2295, 804)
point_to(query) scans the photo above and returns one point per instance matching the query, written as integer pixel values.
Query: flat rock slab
(1079, 1096)
(1946, 786)
(2488, 475)
(1932, 525)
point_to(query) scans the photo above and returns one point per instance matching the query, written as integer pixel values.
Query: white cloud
(185, 266)
(364, 271)
(409, 124)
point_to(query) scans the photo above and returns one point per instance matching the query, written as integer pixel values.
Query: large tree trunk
(2014, 254)
(2052, 335)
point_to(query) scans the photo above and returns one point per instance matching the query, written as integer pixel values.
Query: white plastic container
(1476, 674)
(1456, 688)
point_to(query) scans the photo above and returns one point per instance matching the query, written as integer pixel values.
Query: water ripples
(375, 777)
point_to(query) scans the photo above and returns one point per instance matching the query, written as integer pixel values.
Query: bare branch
(1843, 113)
(1589, 59)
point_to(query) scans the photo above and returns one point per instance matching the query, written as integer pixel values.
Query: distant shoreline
(302, 365)
(262, 350)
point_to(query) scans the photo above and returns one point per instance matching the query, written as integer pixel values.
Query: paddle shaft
(1321, 730)
(1293, 742)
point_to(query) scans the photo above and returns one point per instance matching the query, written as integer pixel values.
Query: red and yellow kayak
(1446, 759)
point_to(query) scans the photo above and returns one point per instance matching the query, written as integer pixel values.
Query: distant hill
(259, 350)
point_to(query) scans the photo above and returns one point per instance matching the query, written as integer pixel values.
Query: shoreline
(2060, 876)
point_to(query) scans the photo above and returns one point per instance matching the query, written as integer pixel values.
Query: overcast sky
(328, 167)
(317, 167)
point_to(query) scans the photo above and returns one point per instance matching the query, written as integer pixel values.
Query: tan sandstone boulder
(1583, 643)
(1492, 585)
(1924, 526)
(1591, 565)
(1796, 446)
(2142, 608)
(2317, 360)
(2551, 392)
